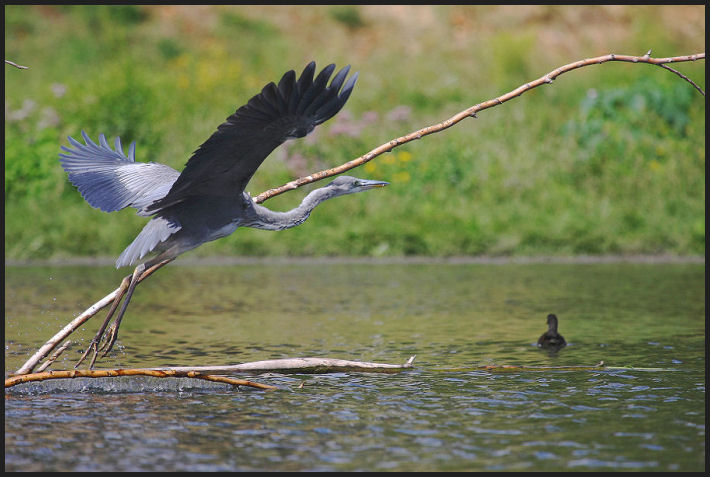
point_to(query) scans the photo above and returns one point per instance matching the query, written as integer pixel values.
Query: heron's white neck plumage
(266, 219)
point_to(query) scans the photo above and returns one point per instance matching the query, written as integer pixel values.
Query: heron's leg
(142, 271)
(94, 345)
(113, 330)
(128, 285)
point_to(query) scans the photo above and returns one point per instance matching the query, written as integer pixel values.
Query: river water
(644, 411)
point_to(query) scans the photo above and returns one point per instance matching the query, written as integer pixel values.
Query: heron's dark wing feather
(225, 163)
(110, 180)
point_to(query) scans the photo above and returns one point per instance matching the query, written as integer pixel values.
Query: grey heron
(551, 339)
(207, 200)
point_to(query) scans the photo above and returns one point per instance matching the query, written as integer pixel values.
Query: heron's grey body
(206, 201)
(205, 219)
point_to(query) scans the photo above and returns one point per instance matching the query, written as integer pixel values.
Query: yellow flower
(404, 156)
(654, 165)
(182, 61)
(401, 177)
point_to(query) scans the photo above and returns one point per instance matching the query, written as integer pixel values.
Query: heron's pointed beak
(367, 184)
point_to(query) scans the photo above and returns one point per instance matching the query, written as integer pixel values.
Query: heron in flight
(207, 201)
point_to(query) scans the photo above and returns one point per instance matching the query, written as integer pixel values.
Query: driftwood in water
(299, 366)
(209, 373)
(113, 373)
(286, 366)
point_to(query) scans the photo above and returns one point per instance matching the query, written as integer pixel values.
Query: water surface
(646, 321)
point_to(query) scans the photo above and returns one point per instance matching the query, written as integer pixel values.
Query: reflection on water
(442, 415)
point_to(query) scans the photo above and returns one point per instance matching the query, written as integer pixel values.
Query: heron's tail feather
(154, 232)
(110, 180)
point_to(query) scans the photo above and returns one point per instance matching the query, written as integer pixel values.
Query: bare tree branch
(684, 77)
(16, 65)
(54, 356)
(288, 365)
(299, 365)
(471, 112)
(109, 373)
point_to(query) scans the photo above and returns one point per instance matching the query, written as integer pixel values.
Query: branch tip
(12, 63)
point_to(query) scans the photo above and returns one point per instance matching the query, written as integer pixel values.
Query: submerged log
(215, 373)
(299, 366)
(114, 373)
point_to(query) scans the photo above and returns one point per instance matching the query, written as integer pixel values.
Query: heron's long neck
(270, 220)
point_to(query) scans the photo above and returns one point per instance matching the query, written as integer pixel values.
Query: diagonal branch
(471, 112)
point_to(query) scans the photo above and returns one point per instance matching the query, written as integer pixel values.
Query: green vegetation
(609, 159)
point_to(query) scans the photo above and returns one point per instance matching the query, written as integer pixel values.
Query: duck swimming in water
(551, 339)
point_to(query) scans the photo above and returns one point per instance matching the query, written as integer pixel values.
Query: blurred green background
(609, 159)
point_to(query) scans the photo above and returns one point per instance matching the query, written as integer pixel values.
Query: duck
(551, 339)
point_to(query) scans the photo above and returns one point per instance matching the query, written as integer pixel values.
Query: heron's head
(349, 185)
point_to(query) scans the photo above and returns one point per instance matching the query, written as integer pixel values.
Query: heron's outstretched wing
(110, 180)
(225, 163)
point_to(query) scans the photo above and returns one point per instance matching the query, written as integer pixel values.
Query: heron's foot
(96, 341)
(94, 345)
(112, 335)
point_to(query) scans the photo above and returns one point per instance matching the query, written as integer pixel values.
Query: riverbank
(415, 260)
